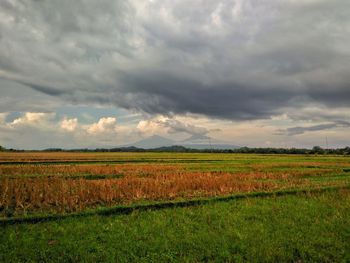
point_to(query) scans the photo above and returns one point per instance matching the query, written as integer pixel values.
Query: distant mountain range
(154, 141)
(193, 142)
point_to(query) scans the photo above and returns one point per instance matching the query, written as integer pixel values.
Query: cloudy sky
(89, 73)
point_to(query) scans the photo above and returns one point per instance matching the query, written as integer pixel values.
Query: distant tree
(318, 150)
(2, 149)
(346, 150)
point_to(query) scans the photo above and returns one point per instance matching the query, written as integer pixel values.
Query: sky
(257, 73)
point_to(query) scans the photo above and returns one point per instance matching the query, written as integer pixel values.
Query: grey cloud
(319, 114)
(301, 130)
(17, 97)
(336, 96)
(239, 60)
(47, 90)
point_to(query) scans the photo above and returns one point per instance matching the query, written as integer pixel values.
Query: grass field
(182, 207)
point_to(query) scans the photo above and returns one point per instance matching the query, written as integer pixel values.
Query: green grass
(307, 227)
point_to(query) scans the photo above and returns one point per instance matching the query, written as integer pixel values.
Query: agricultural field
(173, 207)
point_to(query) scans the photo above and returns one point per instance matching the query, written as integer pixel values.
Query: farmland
(208, 207)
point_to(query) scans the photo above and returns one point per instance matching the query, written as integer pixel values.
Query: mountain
(200, 141)
(196, 141)
(154, 141)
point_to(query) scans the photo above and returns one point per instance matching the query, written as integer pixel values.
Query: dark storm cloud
(333, 96)
(233, 59)
(163, 93)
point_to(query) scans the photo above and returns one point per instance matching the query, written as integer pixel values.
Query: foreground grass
(312, 228)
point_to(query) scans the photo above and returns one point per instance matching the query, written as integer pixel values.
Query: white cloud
(173, 125)
(69, 124)
(151, 126)
(35, 130)
(104, 125)
(32, 118)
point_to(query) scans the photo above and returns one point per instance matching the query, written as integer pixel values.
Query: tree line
(176, 148)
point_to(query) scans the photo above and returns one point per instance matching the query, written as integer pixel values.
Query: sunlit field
(210, 187)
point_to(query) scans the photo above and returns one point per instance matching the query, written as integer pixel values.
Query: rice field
(54, 183)
(174, 207)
